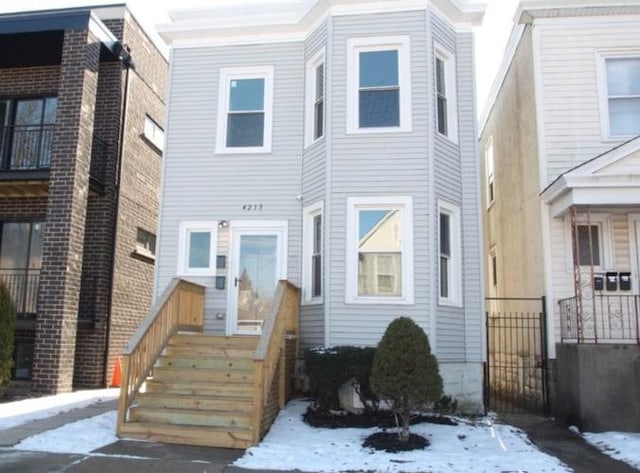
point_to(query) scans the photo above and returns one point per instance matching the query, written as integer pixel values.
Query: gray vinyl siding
(384, 164)
(202, 185)
(314, 178)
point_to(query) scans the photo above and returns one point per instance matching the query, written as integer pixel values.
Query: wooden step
(190, 417)
(217, 363)
(210, 375)
(221, 341)
(199, 402)
(195, 388)
(230, 437)
(197, 351)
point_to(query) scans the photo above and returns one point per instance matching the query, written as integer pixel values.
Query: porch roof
(611, 178)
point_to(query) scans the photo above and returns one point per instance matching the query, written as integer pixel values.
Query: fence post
(544, 355)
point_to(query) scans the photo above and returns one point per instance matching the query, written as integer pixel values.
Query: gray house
(332, 145)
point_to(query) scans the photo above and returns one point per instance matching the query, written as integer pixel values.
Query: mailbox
(221, 282)
(625, 281)
(598, 282)
(611, 281)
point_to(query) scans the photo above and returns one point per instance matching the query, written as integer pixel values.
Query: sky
(491, 37)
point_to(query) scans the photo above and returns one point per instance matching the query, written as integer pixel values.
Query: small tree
(405, 372)
(7, 326)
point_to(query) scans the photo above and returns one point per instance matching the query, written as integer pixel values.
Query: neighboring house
(332, 145)
(561, 159)
(81, 109)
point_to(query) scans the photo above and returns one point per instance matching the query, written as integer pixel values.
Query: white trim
(280, 228)
(451, 91)
(186, 228)
(455, 274)
(308, 233)
(378, 43)
(603, 89)
(227, 74)
(310, 94)
(634, 240)
(328, 207)
(405, 205)
(605, 237)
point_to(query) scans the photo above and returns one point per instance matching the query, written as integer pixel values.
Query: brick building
(81, 109)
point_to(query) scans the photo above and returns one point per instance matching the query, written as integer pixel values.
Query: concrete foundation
(598, 386)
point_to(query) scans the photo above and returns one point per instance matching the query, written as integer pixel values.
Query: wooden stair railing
(181, 307)
(280, 329)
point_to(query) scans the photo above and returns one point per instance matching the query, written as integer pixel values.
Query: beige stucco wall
(512, 223)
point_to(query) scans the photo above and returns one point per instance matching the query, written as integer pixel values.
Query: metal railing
(601, 319)
(23, 286)
(29, 147)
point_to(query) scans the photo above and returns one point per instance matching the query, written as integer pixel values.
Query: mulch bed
(382, 419)
(389, 442)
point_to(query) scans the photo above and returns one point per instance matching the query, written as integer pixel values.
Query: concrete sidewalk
(126, 456)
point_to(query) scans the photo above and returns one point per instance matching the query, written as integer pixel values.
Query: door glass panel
(257, 280)
(14, 248)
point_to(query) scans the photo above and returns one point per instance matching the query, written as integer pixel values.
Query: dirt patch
(366, 419)
(389, 442)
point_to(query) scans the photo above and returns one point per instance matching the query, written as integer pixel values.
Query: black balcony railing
(28, 147)
(23, 286)
(601, 319)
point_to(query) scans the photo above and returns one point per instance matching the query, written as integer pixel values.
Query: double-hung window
(449, 244)
(379, 81)
(620, 97)
(312, 254)
(379, 250)
(245, 110)
(197, 248)
(445, 90)
(588, 248)
(315, 98)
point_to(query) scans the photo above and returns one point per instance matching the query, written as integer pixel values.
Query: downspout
(126, 60)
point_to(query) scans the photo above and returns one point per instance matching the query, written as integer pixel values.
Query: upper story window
(379, 85)
(28, 126)
(488, 165)
(245, 110)
(379, 250)
(197, 248)
(449, 243)
(445, 90)
(315, 97)
(312, 254)
(153, 133)
(145, 243)
(621, 96)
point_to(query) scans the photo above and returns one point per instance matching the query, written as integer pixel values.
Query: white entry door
(634, 246)
(258, 261)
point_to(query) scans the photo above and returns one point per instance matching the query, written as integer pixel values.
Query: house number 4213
(252, 207)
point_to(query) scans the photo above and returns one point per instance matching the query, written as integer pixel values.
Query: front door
(258, 252)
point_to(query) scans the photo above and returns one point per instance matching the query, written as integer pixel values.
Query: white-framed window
(197, 248)
(619, 89)
(315, 97)
(449, 249)
(379, 250)
(312, 253)
(145, 243)
(488, 165)
(379, 84)
(446, 93)
(245, 110)
(153, 133)
(590, 242)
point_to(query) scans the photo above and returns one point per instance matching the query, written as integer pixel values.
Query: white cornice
(242, 21)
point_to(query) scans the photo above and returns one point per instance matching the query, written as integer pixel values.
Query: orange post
(116, 379)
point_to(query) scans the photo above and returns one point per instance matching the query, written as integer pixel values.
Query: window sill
(143, 255)
(379, 300)
(152, 145)
(245, 150)
(311, 144)
(312, 302)
(449, 139)
(368, 131)
(449, 303)
(490, 204)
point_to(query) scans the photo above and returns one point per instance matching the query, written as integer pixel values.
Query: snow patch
(623, 446)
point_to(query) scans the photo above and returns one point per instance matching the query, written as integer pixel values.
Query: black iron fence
(27, 147)
(600, 319)
(23, 286)
(516, 377)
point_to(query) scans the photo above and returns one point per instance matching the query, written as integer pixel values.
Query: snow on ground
(20, 412)
(81, 436)
(623, 446)
(480, 446)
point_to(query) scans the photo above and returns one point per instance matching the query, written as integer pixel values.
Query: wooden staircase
(196, 389)
(201, 393)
